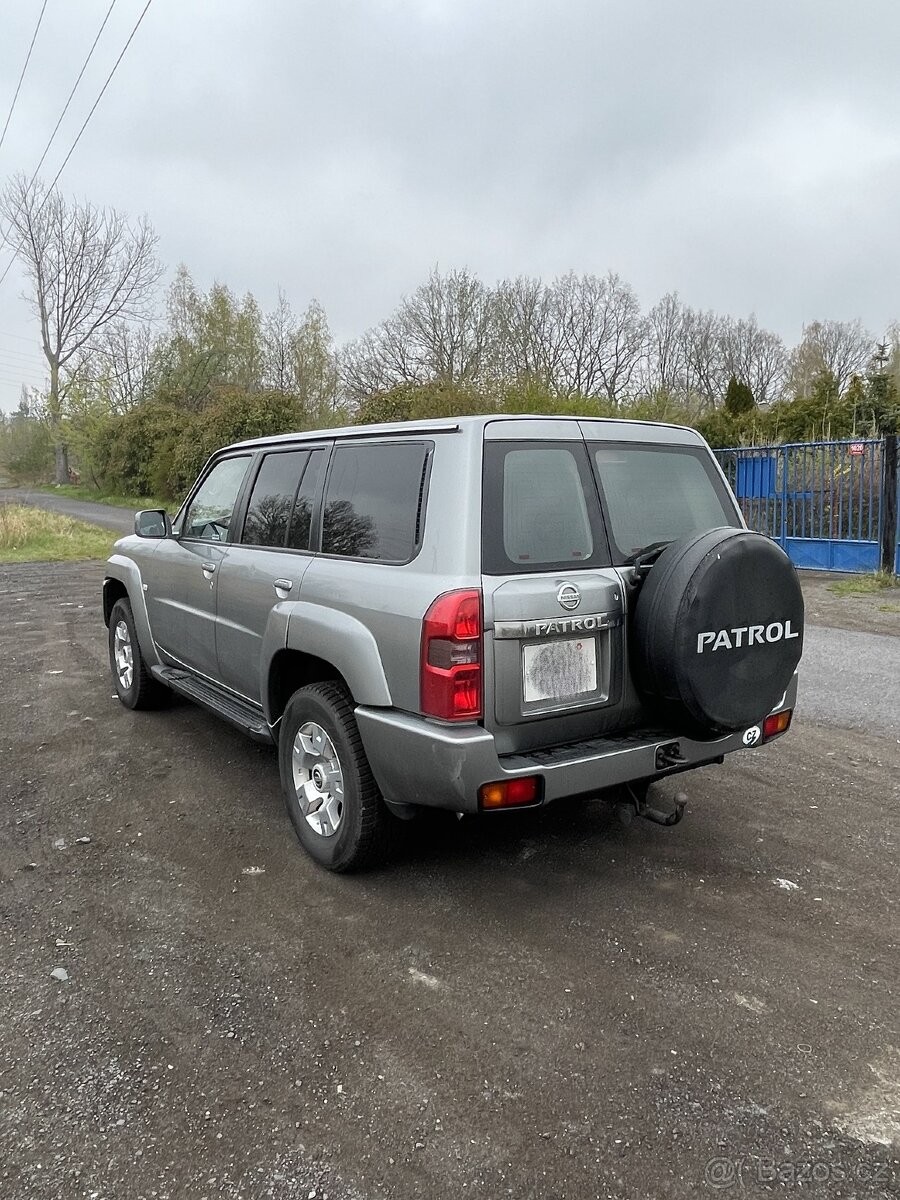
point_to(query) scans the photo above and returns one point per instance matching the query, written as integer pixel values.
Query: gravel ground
(536, 1005)
(864, 612)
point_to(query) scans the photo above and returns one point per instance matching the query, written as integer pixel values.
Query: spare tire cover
(718, 628)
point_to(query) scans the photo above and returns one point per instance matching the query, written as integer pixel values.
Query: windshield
(658, 494)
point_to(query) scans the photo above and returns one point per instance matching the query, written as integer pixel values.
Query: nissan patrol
(479, 614)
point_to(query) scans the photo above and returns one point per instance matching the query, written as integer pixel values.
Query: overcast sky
(746, 155)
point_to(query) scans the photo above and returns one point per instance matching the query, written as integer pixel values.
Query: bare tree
(447, 322)
(379, 360)
(528, 336)
(705, 376)
(443, 332)
(602, 334)
(754, 356)
(278, 331)
(664, 366)
(119, 362)
(88, 269)
(839, 348)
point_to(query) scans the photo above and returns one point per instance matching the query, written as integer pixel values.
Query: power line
(18, 367)
(18, 381)
(84, 67)
(137, 25)
(18, 336)
(93, 108)
(21, 363)
(22, 76)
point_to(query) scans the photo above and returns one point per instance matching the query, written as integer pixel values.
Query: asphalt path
(119, 519)
(851, 680)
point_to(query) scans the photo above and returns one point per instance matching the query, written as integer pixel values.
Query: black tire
(718, 630)
(144, 691)
(362, 837)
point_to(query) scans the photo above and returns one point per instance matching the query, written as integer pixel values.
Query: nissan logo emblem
(568, 596)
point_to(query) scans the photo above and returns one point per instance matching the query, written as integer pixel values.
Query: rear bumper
(419, 762)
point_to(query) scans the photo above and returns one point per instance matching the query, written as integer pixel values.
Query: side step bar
(239, 713)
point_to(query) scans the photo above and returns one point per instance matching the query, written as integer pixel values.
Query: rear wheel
(135, 686)
(330, 793)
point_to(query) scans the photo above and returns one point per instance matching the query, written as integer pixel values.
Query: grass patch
(33, 535)
(78, 491)
(863, 585)
(892, 608)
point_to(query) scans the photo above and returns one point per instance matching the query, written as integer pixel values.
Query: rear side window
(301, 519)
(540, 508)
(374, 501)
(272, 499)
(658, 494)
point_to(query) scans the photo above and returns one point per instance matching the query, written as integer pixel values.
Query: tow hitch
(635, 803)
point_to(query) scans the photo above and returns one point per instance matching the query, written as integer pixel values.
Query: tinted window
(272, 499)
(208, 517)
(659, 494)
(301, 521)
(372, 501)
(540, 508)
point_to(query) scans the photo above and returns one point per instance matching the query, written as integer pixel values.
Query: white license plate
(563, 669)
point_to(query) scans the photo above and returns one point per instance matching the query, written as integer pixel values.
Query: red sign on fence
(857, 447)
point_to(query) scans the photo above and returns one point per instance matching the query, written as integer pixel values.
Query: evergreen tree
(738, 397)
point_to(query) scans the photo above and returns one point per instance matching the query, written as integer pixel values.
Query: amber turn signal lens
(777, 723)
(512, 792)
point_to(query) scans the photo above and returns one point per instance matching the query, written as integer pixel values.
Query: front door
(181, 600)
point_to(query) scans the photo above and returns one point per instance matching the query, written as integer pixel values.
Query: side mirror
(152, 523)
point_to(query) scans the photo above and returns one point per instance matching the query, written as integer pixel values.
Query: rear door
(554, 609)
(265, 563)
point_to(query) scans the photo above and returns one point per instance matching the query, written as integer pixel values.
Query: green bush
(140, 448)
(233, 417)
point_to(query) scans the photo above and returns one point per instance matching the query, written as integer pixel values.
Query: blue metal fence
(820, 500)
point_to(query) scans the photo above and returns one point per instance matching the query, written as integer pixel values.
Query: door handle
(207, 568)
(283, 585)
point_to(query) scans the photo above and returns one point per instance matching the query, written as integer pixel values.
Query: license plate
(560, 670)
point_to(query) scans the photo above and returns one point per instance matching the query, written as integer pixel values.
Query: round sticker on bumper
(752, 735)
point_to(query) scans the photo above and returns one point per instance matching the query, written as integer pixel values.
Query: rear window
(658, 494)
(540, 508)
(374, 501)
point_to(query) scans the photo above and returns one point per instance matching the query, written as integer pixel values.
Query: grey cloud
(743, 154)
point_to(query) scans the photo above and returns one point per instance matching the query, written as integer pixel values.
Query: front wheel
(331, 796)
(135, 686)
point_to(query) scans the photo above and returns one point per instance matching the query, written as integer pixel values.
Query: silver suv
(478, 615)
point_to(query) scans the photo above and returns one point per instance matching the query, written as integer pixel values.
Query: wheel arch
(306, 643)
(123, 581)
(290, 670)
(113, 591)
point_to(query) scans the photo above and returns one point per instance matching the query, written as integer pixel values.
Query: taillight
(777, 723)
(451, 657)
(523, 789)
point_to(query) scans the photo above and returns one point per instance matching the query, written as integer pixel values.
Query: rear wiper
(643, 558)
